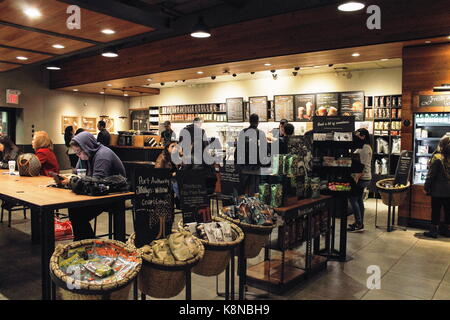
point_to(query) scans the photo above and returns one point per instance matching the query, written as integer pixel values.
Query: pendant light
(104, 113)
(124, 116)
(200, 30)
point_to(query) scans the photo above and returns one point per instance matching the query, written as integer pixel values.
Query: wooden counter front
(146, 154)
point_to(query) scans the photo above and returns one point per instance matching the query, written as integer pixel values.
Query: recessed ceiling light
(199, 72)
(76, 90)
(32, 12)
(356, 54)
(102, 92)
(125, 94)
(384, 59)
(22, 58)
(110, 53)
(351, 6)
(53, 67)
(109, 85)
(428, 41)
(267, 64)
(108, 31)
(58, 46)
(316, 66)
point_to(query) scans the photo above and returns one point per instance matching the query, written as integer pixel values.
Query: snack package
(276, 196)
(315, 188)
(99, 269)
(178, 247)
(276, 164)
(264, 193)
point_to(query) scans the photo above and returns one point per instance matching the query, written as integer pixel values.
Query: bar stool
(11, 209)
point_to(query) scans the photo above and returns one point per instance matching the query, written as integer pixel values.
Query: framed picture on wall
(89, 124)
(109, 124)
(67, 121)
(284, 108)
(235, 109)
(259, 105)
(305, 106)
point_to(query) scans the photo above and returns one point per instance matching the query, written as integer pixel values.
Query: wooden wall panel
(311, 30)
(424, 67)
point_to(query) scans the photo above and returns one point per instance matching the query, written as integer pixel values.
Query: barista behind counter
(130, 147)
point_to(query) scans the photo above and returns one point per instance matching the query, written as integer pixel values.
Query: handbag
(29, 165)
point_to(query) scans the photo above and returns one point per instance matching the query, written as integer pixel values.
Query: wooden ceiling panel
(54, 19)
(7, 66)
(10, 55)
(25, 39)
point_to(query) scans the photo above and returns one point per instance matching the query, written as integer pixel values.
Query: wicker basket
(256, 237)
(83, 290)
(217, 254)
(398, 195)
(164, 281)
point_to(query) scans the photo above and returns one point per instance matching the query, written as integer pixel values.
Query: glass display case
(429, 128)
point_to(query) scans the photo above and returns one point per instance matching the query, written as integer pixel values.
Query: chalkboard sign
(284, 108)
(352, 104)
(153, 204)
(404, 166)
(327, 104)
(230, 180)
(235, 109)
(140, 119)
(258, 105)
(333, 124)
(305, 107)
(194, 197)
(435, 101)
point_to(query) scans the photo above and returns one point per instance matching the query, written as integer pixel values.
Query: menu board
(327, 104)
(193, 196)
(152, 205)
(258, 105)
(230, 180)
(305, 106)
(235, 109)
(404, 166)
(435, 101)
(334, 124)
(352, 104)
(140, 119)
(284, 108)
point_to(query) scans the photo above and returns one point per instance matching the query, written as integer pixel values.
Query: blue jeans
(357, 202)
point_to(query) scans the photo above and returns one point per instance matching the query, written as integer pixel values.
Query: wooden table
(33, 193)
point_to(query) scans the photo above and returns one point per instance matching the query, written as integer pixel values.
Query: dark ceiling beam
(125, 12)
(50, 33)
(15, 63)
(235, 3)
(27, 50)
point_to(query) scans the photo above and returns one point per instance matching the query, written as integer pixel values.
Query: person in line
(168, 135)
(43, 147)
(285, 133)
(9, 151)
(437, 185)
(101, 162)
(277, 133)
(195, 131)
(364, 150)
(68, 135)
(103, 136)
(244, 160)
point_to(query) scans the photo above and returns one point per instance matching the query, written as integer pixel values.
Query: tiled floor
(411, 267)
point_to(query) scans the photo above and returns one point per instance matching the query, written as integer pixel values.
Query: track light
(275, 76)
(184, 80)
(295, 73)
(273, 71)
(234, 75)
(297, 68)
(253, 72)
(213, 78)
(331, 65)
(200, 30)
(162, 83)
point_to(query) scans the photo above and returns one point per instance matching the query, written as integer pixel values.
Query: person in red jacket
(43, 147)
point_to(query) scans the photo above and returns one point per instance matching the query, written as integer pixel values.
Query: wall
(373, 82)
(424, 67)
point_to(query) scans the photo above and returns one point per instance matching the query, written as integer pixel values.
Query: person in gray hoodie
(101, 162)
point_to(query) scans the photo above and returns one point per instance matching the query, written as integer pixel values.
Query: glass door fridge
(429, 128)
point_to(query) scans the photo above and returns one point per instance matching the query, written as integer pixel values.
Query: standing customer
(68, 135)
(103, 136)
(168, 135)
(101, 162)
(9, 151)
(43, 147)
(437, 185)
(365, 152)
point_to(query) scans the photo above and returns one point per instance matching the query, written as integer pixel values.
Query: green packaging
(276, 196)
(264, 193)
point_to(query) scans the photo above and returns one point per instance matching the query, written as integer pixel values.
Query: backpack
(94, 186)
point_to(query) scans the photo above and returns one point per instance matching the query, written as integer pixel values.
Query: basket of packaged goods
(396, 193)
(95, 270)
(255, 218)
(219, 238)
(165, 263)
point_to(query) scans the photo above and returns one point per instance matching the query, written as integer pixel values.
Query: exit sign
(12, 96)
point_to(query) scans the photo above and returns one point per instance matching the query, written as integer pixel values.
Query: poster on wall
(305, 106)
(258, 105)
(67, 121)
(89, 124)
(140, 119)
(284, 108)
(327, 104)
(235, 109)
(435, 101)
(109, 124)
(352, 104)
